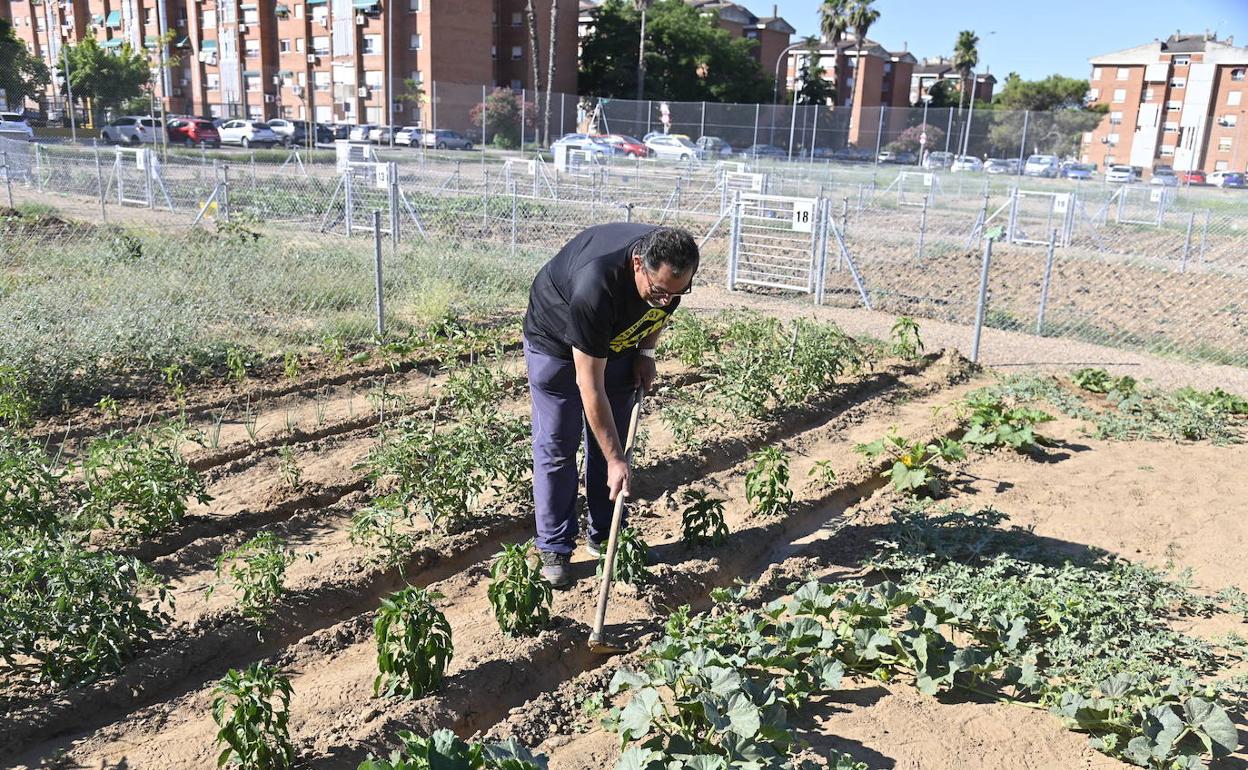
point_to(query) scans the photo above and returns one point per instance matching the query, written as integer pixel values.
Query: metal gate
(1035, 214)
(1140, 204)
(777, 242)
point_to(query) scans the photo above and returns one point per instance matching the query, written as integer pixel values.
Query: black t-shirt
(586, 297)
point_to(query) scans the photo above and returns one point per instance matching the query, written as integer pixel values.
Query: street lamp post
(927, 99)
(775, 95)
(966, 134)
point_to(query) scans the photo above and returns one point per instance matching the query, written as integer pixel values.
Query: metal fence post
(1044, 285)
(702, 127)
(393, 170)
(223, 203)
(8, 181)
(1187, 241)
(735, 235)
(349, 196)
(513, 219)
(483, 123)
(983, 301)
(1022, 145)
(757, 107)
(38, 169)
(792, 128)
(523, 96)
(922, 225)
(879, 135)
(1161, 205)
(381, 315)
(1204, 235)
(485, 199)
(814, 134)
(147, 178)
(844, 215)
(1009, 236)
(99, 180)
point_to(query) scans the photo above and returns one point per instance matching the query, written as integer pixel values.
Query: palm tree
(550, 69)
(642, 6)
(965, 57)
(531, 13)
(833, 23)
(861, 16)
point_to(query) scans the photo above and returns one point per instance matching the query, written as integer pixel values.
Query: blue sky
(1031, 38)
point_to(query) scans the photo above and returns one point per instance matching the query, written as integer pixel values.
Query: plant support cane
(596, 644)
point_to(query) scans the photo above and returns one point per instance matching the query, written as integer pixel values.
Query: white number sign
(803, 215)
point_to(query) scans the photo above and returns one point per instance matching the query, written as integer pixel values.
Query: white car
(666, 146)
(379, 135)
(361, 132)
(1121, 175)
(1226, 179)
(1042, 165)
(13, 125)
(584, 143)
(248, 133)
(133, 130)
(408, 136)
(1164, 179)
(967, 163)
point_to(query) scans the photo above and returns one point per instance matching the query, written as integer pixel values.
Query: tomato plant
(767, 482)
(138, 486)
(632, 556)
(258, 570)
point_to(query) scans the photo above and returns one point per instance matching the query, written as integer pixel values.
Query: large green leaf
(639, 714)
(743, 716)
(1212, 721)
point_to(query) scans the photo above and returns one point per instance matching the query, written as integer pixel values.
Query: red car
(1193, 177)
(193, 131)
(626, 144)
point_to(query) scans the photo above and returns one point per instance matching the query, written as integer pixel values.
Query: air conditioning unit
(362, 92)
(268, 98)
(361, 19)
(1223, 122)
(185, 81)
(242, 28)
(311, 58)
(297, 90)
(324, 20)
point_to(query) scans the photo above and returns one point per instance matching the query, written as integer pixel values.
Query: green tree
(965, 57)
(107, 80)
(908, 140)
(834, 20)
(22, 74)
(861, 17)
(502, 118)
(700, 61)
(942, 95)
(1053, 110)
(815, 88)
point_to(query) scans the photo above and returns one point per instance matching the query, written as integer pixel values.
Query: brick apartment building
(881, 79)
(934, 69)
(772, 32)
(1179, 101)
(331, 60)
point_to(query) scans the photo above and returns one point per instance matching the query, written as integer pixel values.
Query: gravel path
(1004, 350)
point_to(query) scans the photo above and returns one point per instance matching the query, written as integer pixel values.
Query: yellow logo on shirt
(648, 324)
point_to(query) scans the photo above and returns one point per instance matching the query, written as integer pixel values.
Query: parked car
(966, 163)
(585, 143)
(887, 156)
(192, 132)
(1164, 177)
(1042, 165)
(15, 126)
(341, 130)
(295, 132)
(360, 132)
(938, 159)
(248, 133)
(443, 139)
(712, 146)
(1121, 175)
(379, 135)
(1077, 171)
(133, 130)
(1193, 177)
(652, 134)
(824, 153)
(899, 157)
(625, 144)
(996, 166)
(673, 147)
(764, 151)
(1226, 179)
(408, 136)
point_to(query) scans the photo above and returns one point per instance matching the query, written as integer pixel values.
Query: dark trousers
(559, 428)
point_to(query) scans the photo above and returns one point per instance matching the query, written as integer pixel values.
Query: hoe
(596, 642)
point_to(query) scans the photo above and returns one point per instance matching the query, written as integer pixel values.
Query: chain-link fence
(118, 257)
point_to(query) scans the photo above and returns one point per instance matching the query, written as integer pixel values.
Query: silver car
(446, 140)
(14, 126)
(248, 133)
(133, 129)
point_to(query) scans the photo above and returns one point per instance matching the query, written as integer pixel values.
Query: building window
(1167, 150)
(1182, 61)
(320, 45)
(1115, 118)
(1148, 94)
(283, 46)
(150, 17)
(517, 85)
(1096, 73)
(1178, 83)
(321, 81)
(418, 77)
(1224, 144)
(299, 15)
(303, 78)
(251, 16)
(213, 81)
(372, 44)
(493, 52)
(1087, 137)
(1094, 94)
(1112, 138)
(413, 6)
(1171, 127)
(517, 53)
(1238, 74)
(414, 42)
(373, 79)
(253, 82)
(1124, 73)
(517, 18)
(1221, 165)
(1233, 98)
(1174, 105)
(299, 43)
(1120, 95)
(252, 48)
(207, 20)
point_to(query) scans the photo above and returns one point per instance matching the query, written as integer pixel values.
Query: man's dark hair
(669, 246)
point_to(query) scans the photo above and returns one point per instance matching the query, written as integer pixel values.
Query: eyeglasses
(660, 293)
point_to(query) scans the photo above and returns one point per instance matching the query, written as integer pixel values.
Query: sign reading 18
(803, 215)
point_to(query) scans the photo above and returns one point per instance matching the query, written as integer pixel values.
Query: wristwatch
(647, 352)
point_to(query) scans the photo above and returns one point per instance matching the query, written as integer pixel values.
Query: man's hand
(618, 478)
(644, 370)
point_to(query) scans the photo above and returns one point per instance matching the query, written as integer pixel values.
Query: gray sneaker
(594, 548)
(557, 569)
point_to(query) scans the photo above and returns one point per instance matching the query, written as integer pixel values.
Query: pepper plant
(252, 709)
(258, 570)
(767, 482)
(631, 558)
(414, 644)
(520, 596)
(702, 521)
